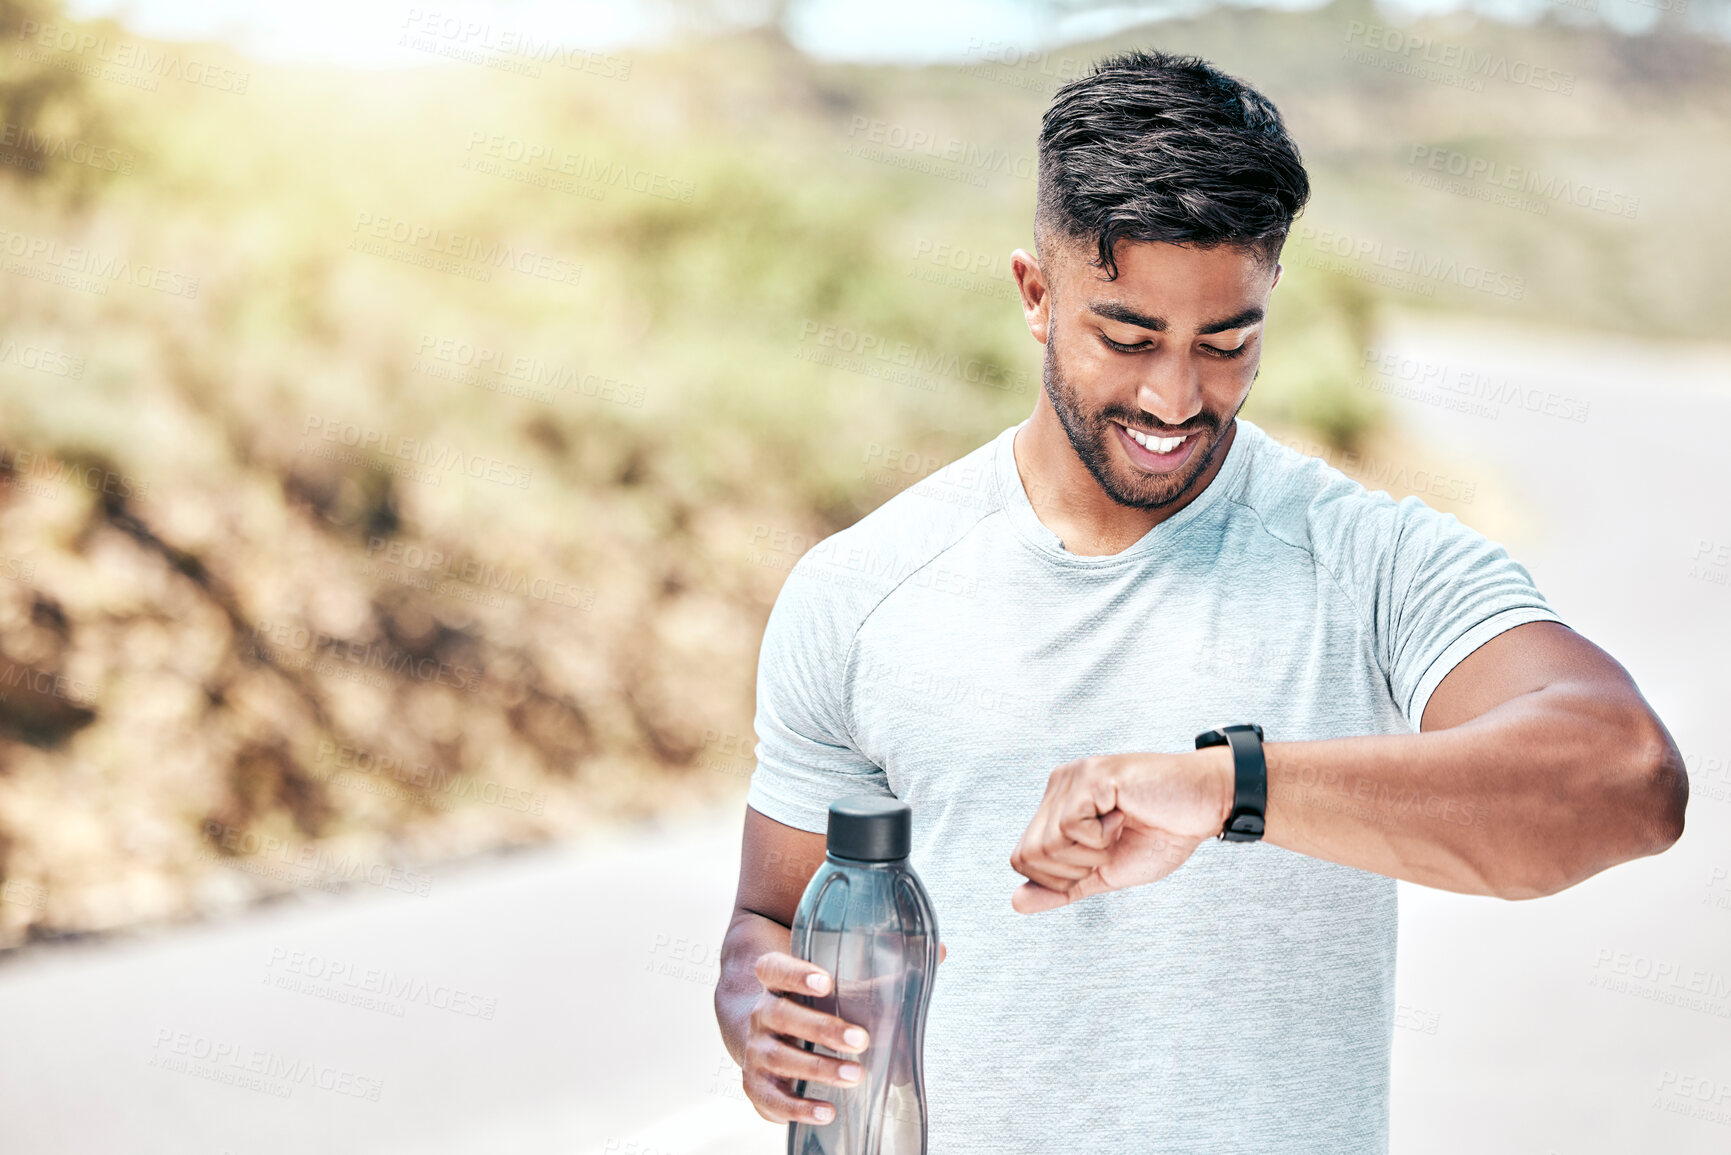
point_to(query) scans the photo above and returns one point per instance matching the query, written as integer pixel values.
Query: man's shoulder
(941, 505)
(1302, 500)
(853, 569)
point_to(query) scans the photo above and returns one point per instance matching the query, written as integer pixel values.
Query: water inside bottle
(880, 1115)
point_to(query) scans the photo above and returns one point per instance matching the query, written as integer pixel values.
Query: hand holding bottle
(780, 1024)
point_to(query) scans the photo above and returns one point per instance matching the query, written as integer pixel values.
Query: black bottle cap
(870, 828)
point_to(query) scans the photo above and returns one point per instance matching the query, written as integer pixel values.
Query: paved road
(556, 1002)
(560, 1001)
(1539, 1027)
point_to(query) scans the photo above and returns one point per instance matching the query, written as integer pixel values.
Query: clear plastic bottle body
(872, 926)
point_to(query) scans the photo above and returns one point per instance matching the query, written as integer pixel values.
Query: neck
(1070, 503)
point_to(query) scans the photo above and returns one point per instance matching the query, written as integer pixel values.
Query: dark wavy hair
(1150, 146)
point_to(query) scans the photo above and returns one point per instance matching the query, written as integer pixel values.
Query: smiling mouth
(1159, 455)
(1160, 445)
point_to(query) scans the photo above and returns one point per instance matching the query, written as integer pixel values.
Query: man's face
(1146, 372)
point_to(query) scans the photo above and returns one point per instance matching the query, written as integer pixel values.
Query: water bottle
(866, 918)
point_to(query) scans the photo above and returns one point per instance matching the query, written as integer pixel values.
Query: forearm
(1527, 799)
(749, 937)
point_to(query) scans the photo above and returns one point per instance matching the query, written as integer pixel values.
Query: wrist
(1245, 819)
(1220, 782)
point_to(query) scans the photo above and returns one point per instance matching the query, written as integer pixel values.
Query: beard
(1091, 436)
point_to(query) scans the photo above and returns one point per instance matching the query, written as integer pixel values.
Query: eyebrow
(1124, 314)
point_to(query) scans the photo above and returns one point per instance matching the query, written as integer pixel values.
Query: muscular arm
(1538, 765)
(776, 862)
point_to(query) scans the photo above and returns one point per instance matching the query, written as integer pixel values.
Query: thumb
(1111, 824)
(942, 951)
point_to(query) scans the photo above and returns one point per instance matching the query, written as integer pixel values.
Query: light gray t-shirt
(948, 650)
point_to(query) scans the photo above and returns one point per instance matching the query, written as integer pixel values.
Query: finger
(1058, 865)
(1073, 854)
(1095, 849)
(942, 951)
(1085, 829)
(781, 1016)
(1040, 869)
(1088, 886)
(780, 971)
(1090, 796)
(1059, 784)
(775, 1103)
(1034, 869)
(1033, 856)
(1058, 875)
(1030, 898)
(1058, 781)
(790, 1062)
(1069, 815)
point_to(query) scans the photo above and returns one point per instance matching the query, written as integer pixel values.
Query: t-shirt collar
(1014, 500)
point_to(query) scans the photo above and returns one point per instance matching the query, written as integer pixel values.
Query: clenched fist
(1119, 820)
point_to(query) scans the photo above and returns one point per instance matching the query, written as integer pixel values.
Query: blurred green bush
(407, 462)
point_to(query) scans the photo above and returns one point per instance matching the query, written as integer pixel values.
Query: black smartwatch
(1250, 769)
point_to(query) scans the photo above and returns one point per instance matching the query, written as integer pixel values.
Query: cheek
(1086, 365)
(1229, 379)
(1224, 385)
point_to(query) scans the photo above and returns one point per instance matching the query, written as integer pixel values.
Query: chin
(1135, 487)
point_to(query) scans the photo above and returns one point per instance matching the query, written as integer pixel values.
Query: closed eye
(1140, 346)
(1136, 348)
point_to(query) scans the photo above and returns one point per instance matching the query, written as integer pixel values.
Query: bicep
(1523, 660)
(776, 862)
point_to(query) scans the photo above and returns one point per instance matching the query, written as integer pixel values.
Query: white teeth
(1155, 444)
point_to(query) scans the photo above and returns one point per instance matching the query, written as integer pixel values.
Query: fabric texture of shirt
(947, 650)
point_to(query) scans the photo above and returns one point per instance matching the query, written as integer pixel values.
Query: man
(1128, 567)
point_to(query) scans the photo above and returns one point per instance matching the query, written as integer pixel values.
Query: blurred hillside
(400, 466)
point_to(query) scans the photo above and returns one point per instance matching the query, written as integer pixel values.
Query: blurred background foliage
(239, 659)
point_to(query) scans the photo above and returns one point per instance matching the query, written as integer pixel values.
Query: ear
(1036, 293)
(1278, 269)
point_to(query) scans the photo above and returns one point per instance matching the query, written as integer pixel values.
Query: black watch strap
(1250, 771)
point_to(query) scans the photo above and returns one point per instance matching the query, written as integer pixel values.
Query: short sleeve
(1444, 590)
(806, 757)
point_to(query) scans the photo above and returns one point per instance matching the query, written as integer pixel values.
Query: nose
(1171, 389)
